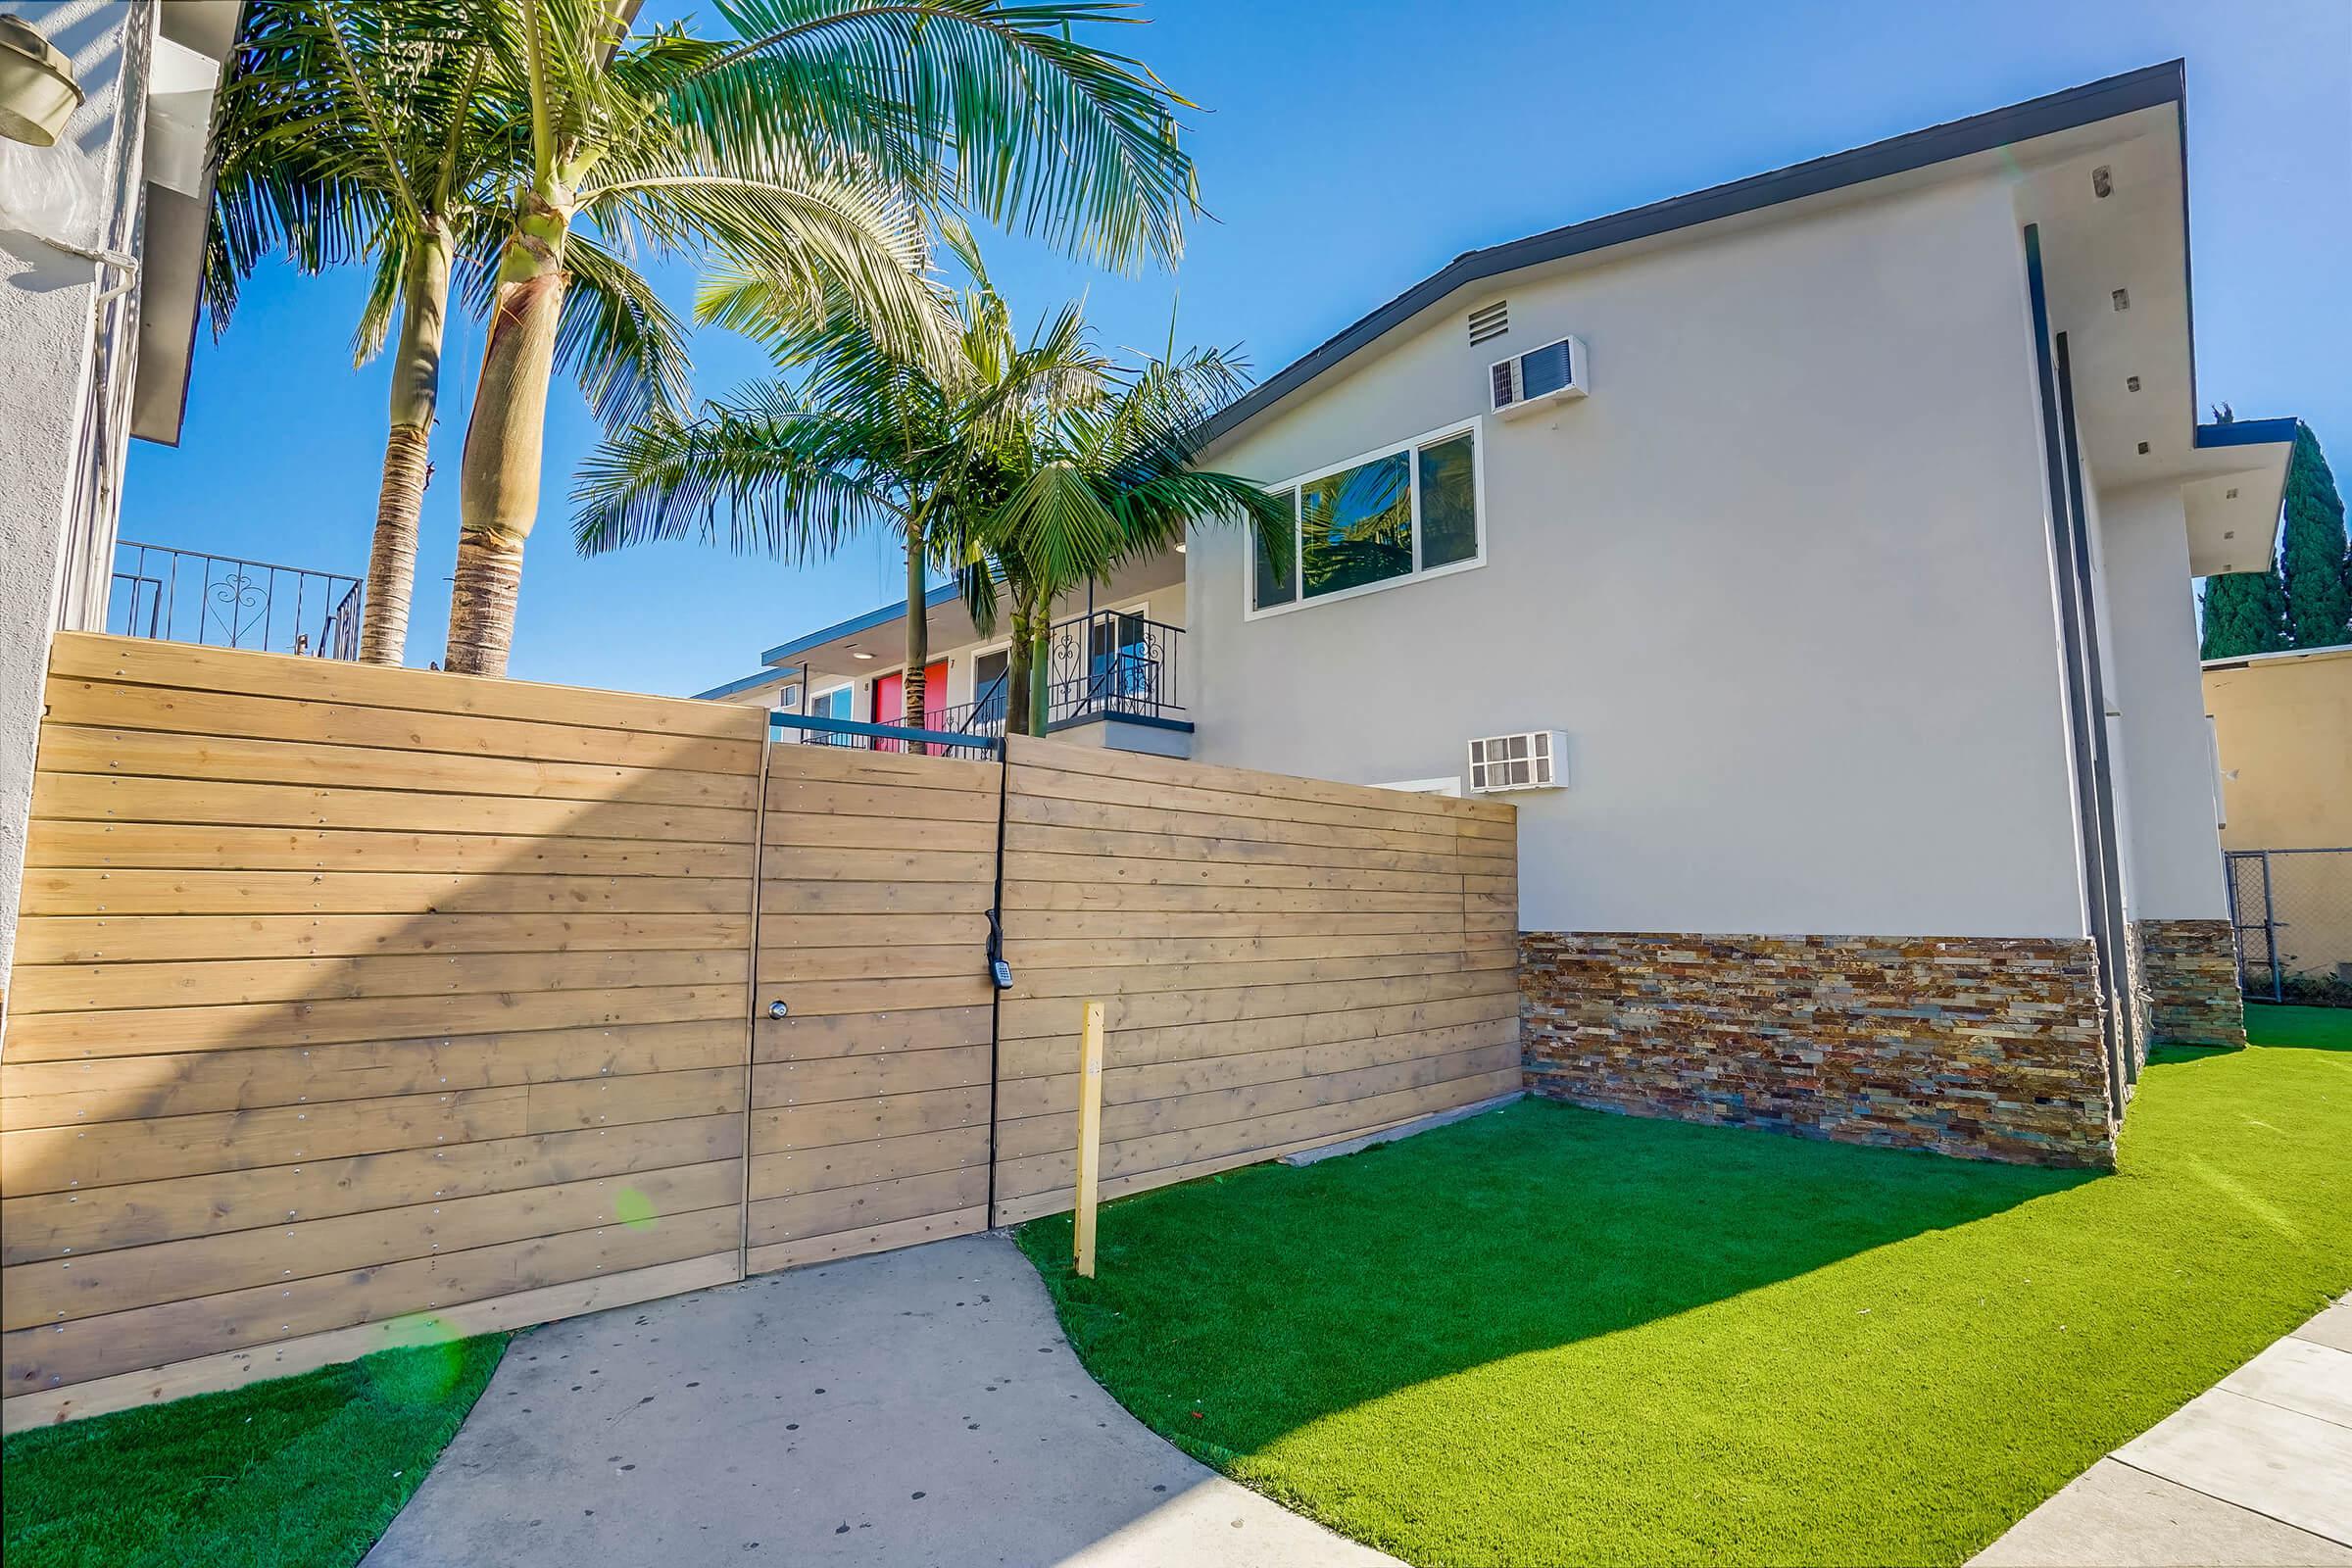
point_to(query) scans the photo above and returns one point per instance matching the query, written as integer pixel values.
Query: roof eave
(2075, 107)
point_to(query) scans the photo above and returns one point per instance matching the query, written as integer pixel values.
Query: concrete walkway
(915, 1407)
(2255, 1471)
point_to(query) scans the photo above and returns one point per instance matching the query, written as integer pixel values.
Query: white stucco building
(101, 246)
(1851, 574)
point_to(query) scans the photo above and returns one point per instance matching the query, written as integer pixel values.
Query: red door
(890, 700)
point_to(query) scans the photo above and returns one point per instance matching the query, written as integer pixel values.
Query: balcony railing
(1109, 664)
(186, 596)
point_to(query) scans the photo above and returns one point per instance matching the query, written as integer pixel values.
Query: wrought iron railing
(856, 735)
(186, 596)
(1107, 664)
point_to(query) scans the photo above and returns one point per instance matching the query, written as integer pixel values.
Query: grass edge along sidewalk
(1551, 1334)
(308, 1469)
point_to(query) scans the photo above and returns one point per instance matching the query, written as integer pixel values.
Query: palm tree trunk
(919, 627)
(1021, 658)
(1041, 659)
(399, 500)
(498, 484)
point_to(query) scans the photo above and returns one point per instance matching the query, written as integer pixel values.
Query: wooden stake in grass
(1089, 1136)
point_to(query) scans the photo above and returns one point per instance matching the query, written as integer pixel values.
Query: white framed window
(1405, 511)
(838, 703)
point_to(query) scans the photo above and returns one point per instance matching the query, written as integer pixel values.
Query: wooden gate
(873, 1008)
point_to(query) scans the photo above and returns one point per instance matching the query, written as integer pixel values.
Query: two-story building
(1810, 557)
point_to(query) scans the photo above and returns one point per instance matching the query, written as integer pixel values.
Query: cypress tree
(2317, 574)
(2244, 613)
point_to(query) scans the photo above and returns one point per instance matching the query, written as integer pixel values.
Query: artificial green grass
(1548, 1335)
(301, 1472)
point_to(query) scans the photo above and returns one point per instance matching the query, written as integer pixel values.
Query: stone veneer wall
(2190, 969)
(1977, 1046)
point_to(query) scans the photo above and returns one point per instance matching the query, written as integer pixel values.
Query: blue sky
(1344, 152)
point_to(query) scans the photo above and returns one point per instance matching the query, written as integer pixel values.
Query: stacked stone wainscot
(2190, 971)
(1987, 1048)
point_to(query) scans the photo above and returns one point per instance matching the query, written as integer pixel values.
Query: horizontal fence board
(227, 1369)
(842, 1209)
(84, 1090)
(842, 765)
(815, 1037)
(1123, 898)
(1248, 1102)
(857, 1242)
(345, 891)
(97, 798)
(782, 969)
(788, 830)
(69, 748)
(784, 895)
(173, 1330)
(1029, 865)
(108, 1282)
(52, 1036)
(790, 791)
(196, 846)
(207, 982)
(1054, 1092)
(165, 938)
(1020, 1019)
(810, 1083)
(1175, 1151)
(134, 1214)
(786, 1172)
(105, 704)
(191, 668)
(1047, 1054)
(796, 1127)
(1029, 838)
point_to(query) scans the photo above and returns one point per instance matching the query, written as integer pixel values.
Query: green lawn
(301, 1472)
(1548, 1335)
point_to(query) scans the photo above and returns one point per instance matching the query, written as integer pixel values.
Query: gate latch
(777, 1009)
(998, 969)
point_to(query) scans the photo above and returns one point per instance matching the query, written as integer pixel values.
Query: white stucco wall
(2174, 870)
(49, 304)
(1784, 579)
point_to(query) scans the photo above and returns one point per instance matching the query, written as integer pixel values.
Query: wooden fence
(1283, 963)
(353, 1005)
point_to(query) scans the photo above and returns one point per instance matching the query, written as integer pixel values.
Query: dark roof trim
(760, 678)
(783, 653)
(2248, 434)
(2085, 105)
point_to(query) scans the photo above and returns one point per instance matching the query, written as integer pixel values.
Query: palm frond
(1034, 127)
(760, 471)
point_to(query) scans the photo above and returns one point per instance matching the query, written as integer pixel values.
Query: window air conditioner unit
(1529, 761)
(1551, 373)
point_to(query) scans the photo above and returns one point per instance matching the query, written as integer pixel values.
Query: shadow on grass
(1529, 1228)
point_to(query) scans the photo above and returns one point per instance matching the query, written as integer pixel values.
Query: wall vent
(1490, 322)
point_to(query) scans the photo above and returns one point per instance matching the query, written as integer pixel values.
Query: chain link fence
(2291, 912)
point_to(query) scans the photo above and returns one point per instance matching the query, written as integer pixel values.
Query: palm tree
(1034, 468)
(365, 133)
(810, 150)
(1103, 472)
